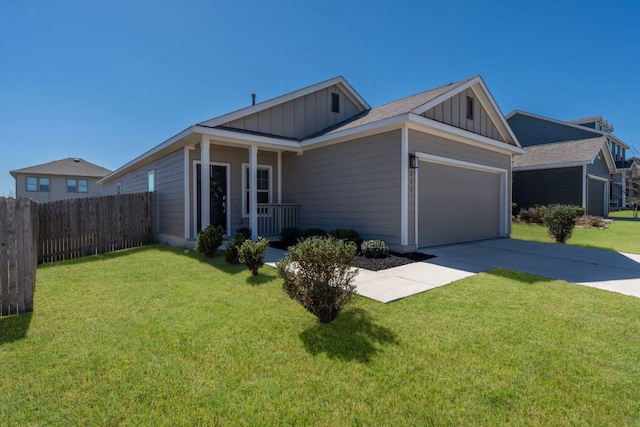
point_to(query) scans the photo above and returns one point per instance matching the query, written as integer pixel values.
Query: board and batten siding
(58, 188)
(549, 186)
(453, 111)
(355, 184)
(169, 177)
(442, 147)
(300, 117)
(533, 131)
(599, 166)
(234, 157)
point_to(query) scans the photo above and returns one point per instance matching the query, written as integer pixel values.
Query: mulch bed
(376, 264)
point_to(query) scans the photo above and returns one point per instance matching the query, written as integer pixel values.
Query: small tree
(231, 251)
(209, 240)
(252, 254)
(560, 220)
(317, 273)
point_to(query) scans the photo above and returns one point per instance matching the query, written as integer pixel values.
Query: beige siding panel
(288, 119)
(277, 124)
(455, 111)
(333, 192)
(322, 109)
(299, 117)
(446, 107)
(264, 121)
(251, 123)
(237, 124)
(310, 114)
(438, 112)
(430, 113)
(462, 103)
(483, 122)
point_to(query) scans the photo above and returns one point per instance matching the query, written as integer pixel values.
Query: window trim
(470, 108)
(119, 188)
(151, 175)
(77, 185)
(39, 180)
(335, 102)
(245, 190)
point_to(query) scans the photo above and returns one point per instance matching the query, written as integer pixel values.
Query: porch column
(624, 190)
(279, 177)
(253, 192)
(205, 177)
(404, 186)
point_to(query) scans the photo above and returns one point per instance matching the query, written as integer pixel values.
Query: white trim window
(264, 186)
(77, 185)
(151, 179)
(40, 184)
(119, 188)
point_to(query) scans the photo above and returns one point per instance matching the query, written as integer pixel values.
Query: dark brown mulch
(393, 260)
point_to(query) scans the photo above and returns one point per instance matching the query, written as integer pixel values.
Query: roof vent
(253, 99)
(76, 160)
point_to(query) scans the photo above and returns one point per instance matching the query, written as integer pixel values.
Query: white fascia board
(158, 148)
(618, 141)
(597, 178)
(608, 157)
(586, 119)
(229, 117)
(248, 139)
(461, 135)
(446, 95)
(553, 166)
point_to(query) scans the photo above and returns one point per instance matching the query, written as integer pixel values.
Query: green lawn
(164, 336)
(628, 213)
(620, 236)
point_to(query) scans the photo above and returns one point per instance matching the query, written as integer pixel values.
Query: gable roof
(339, 81)
(67, 167)
(563, 154)
(569, 124)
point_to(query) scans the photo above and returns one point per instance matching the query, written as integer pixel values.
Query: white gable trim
(608, 157)
(340, 81)
(486, 100)
(551, 166)
(248, 139)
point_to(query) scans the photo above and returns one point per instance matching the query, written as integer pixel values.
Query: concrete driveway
(612, 271)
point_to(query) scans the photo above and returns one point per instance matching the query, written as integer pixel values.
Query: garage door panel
(596, 194)
(457, 205)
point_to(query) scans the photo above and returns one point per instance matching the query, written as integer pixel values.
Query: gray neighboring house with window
(411, 172)
(573, 162)
(68, 178)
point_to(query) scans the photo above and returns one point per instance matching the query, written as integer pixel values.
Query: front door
(217, 196)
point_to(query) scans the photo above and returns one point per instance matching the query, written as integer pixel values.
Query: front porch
(273, 217)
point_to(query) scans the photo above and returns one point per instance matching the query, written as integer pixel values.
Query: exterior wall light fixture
(413, 161)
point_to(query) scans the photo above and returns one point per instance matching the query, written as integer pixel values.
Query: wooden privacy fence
(18, 254)
(79, 227)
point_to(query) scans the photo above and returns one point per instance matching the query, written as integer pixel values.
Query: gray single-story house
(568, 172)
(430, 169)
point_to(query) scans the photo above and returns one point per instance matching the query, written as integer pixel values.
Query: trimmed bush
(560, 220)
(347, 234)
(290, 235)
(209, 240)
(252, 254)
(245, 231)
(231, 254)
(374, 249)
(314, 232)
(317, 273)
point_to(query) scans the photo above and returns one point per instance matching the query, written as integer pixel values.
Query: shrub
(318, 275)
(231, 254)
(209, 240)
(596, 221)
(514, 209)
(348, 235)
(290, 235)
(245, 231)
(314, 232)
(252, 254)
(560, 220)
(374, 249)
(524, 215)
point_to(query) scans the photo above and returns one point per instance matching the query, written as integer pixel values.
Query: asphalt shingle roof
(576, 151)
(67, 167)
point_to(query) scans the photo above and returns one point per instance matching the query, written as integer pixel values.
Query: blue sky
(106, 81)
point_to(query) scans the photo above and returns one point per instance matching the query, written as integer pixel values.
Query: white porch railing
(273, 217)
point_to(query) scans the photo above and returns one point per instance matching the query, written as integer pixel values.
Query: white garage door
(457, 204)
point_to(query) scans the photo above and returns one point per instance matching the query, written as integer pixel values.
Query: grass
(164, 336)
(627, 213)
(620, 236)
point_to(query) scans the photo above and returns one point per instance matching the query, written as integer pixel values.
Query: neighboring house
(630, 180)
(547, 184)
(429, 169)
(61, 179)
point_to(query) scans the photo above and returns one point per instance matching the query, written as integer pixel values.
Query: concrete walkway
(612, 271)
